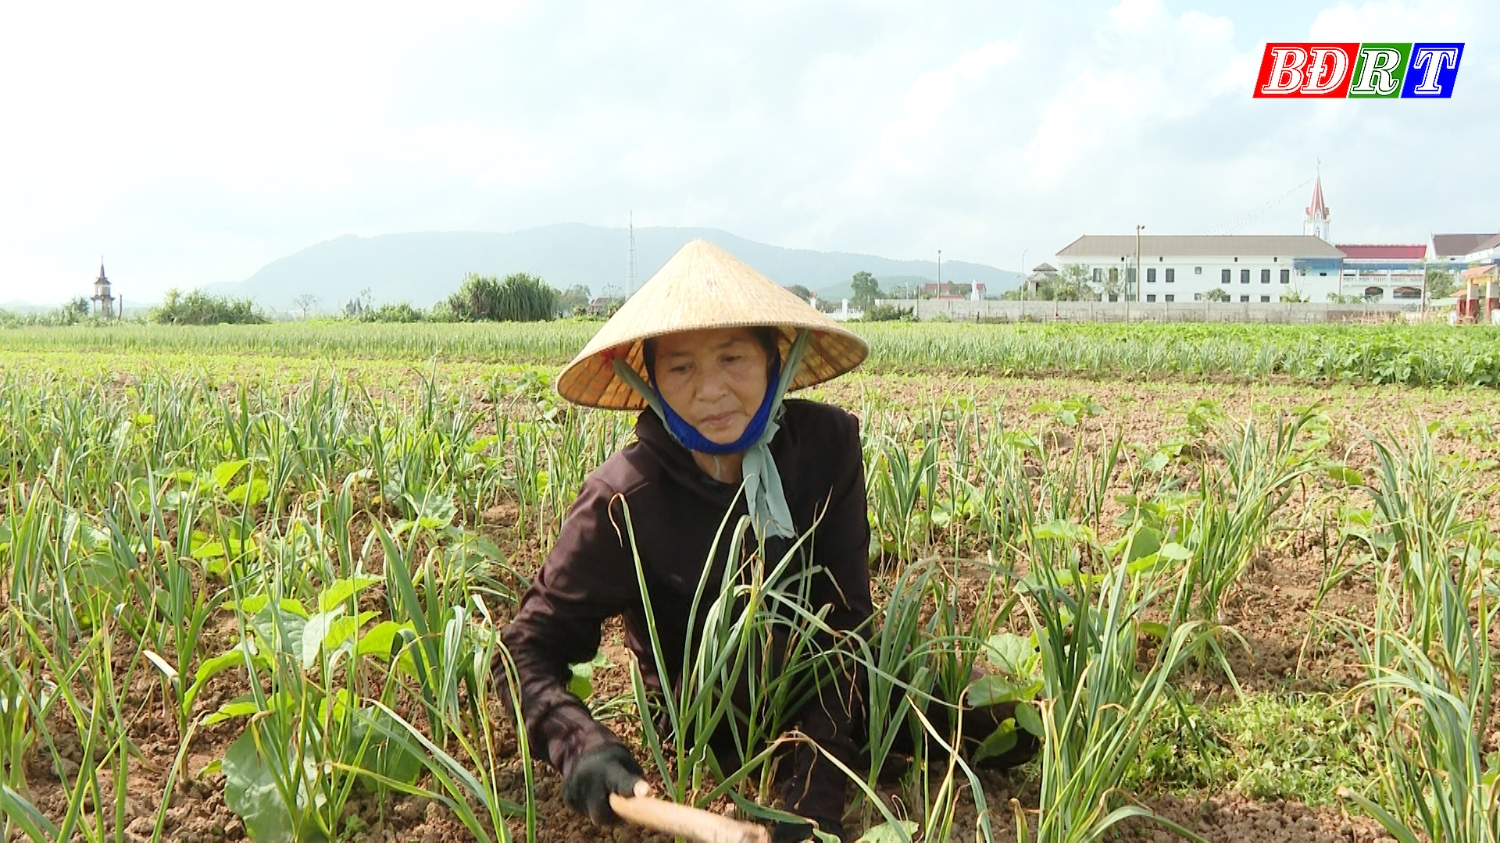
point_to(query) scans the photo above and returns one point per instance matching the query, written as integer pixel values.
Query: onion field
(1422, 355)
(1242, 578)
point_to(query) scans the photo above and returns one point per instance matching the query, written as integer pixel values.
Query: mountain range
(423, 268)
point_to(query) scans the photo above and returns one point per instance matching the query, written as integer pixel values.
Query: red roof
(1387, 252)
(932, 287)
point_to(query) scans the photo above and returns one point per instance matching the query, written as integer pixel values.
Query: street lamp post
(1424, 289)
(1138, 262)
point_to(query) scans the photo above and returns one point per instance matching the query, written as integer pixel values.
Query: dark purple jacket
(676, 511)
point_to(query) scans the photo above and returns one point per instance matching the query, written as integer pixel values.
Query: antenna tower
(630, 267)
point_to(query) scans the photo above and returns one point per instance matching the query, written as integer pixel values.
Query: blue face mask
(689, 437)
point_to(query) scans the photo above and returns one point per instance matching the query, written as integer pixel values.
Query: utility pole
(1138, 262)
(1025, 280)
(630, 267)
(940, 273)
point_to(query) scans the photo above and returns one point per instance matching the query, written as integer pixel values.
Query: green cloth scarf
(764, 496)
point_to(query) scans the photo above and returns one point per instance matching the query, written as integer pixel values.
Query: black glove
(600, 772)
(796, 832)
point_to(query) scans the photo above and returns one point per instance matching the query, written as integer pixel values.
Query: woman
(708, 348)
(704, 345)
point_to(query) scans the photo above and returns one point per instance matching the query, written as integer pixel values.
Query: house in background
(603, 305)
(951, 290)
(1039, 273)
(1486, 253)
(1458, 251)
(1384, 272)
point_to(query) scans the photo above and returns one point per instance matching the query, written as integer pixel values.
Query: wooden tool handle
(684, 821)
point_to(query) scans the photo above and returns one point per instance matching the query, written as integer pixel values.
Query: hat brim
(704, 288)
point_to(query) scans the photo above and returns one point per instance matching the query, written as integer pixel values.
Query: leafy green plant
(22, 696)
(1070, 411)
(199, 308)
(1097, 701)
(1435, 783)
(518, 298)
(887, 313)
(288, 773)
(920, 667)
(756, 624)
(1420, 527)
(1430, 669)
(1235, 511)
(897, 485)
(86, 700)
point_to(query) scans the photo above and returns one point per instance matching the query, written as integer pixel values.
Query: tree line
(518, 297)
(522, 297)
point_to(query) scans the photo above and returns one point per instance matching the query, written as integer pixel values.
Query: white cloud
(1133, 16)
(1393, 20)
(1145, 70)
(904, 138)
(194, 143)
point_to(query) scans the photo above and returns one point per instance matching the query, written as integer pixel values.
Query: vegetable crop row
(317, 573)
(1423, 355)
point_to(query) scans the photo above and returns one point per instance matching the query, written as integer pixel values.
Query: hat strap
(764, 496)
(627, 373)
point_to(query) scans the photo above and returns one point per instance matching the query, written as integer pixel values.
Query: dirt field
(1275, 609)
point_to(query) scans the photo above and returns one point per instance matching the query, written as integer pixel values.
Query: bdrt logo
(1407, 71)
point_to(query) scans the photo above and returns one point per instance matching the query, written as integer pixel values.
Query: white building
(1191, 267)
(1232, 267)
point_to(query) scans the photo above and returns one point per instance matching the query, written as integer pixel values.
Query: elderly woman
(707, 348)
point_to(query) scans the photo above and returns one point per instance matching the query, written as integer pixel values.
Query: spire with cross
(1316, 221)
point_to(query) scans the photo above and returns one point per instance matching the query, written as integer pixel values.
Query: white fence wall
(1193, 311)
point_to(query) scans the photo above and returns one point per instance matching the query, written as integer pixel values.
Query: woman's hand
(600, 772)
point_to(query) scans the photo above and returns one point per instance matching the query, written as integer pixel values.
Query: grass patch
(1266, 746)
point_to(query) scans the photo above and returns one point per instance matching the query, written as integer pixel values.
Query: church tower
(103, 301)
(1316, 222)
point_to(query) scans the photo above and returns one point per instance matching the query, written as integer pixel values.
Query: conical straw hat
(703, 286)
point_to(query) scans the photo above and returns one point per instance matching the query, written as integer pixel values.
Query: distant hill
(422, 268)
(18, 306)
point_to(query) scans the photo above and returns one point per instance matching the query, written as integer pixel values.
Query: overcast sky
(193, 143)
